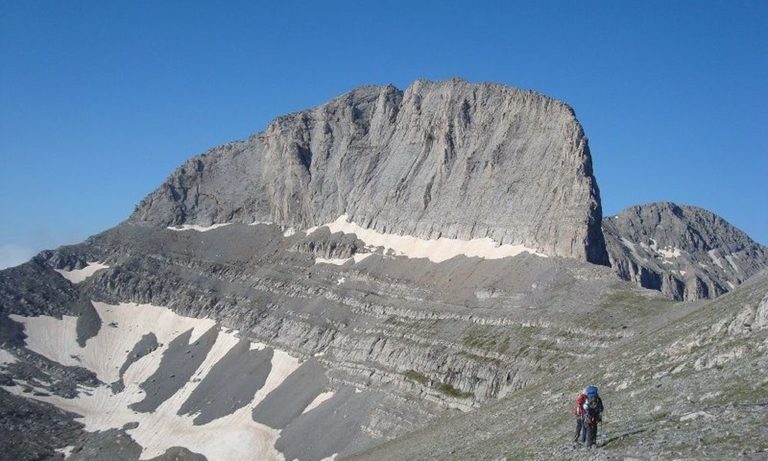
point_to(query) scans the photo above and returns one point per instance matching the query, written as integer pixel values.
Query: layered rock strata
(441, 159)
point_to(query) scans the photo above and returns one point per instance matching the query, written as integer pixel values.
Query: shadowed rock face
(230, 385)
(441, 159)
(293, 396)
(687, 253)
(176, 368)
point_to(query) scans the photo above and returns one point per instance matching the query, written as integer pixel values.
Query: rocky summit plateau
(393, 275)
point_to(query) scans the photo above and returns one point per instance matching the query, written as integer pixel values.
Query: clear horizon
(99, 103)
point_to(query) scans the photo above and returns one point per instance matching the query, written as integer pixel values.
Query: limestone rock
(686, 252)
(441, 159)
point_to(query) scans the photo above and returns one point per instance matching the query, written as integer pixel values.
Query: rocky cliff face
(688, 253)
(441, 159)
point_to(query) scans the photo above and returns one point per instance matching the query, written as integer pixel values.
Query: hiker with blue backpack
(589, 412)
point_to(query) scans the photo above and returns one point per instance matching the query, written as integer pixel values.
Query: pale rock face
(761, 314)
(442, 159)
(687, 253)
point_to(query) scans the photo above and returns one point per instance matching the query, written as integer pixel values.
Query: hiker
(578, 412)
(592, 414)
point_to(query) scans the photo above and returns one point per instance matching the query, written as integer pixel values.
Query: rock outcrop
(441, 159)
(687, 253)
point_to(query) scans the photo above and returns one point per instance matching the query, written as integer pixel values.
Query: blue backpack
(593, 407)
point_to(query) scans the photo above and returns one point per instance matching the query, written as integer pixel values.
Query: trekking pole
(602, 433)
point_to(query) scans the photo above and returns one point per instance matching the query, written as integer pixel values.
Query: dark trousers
(589, 437)
(579, 430)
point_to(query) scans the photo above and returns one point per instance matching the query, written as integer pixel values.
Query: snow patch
(283, 365)
(232, 437)
(731, 285)
(104, 354)
(195, 227)
(79, 275)
(318, 400)
(436, 251)
(66, 451)
(235, 436)
(357, 257)
(256, 347)
(334, 261)
(289, 232)
(6, 358)
(670, 252)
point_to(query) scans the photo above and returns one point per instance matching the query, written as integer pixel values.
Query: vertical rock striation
(440, 159)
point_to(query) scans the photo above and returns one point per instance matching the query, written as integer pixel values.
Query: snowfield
(195, 227)
(234, 436)
(437, 250)
(79, 275)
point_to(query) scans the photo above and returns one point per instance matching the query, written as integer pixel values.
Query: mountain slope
(686, 252)
(690, 389)
(417, 338)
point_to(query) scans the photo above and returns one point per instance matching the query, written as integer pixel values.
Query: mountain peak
(449, 159)
(685, 251)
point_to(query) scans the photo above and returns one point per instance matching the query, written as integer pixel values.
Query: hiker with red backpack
(592, 415)
(578, 412)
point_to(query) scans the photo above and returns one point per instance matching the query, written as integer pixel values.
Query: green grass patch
(443, 388)
(487, 338)
(451, 391)
(414, 375)
(480, 358)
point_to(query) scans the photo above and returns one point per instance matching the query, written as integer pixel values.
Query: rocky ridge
(686, 252)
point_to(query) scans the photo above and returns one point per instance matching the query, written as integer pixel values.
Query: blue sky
(100, 101)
